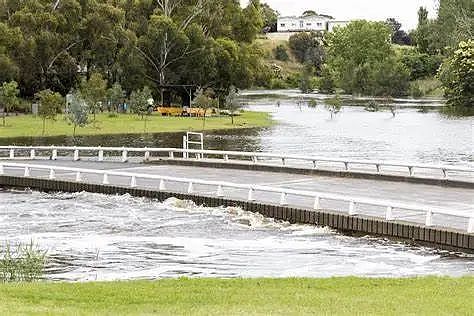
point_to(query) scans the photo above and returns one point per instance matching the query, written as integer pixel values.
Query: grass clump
(21, 263)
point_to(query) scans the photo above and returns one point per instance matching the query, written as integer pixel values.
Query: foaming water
(99, 237)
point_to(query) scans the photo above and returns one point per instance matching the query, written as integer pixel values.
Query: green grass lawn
(28, 125)
(337, 296)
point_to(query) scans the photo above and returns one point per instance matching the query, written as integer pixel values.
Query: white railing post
(78, 176)
(32, 154)
(162, 186)
(283, 200)
(254, 159)
(2, 171)
(219, 192)
(52, 174)
(133, 182)
(76, 154)
(27, 172)
(147, 155)
(470, 225)
(352, 208)
(185, 147)
(429, 218)
(12, 153)
(171, 154)
(317, 203)
(226, 157)
(389, 214)
(250, 195)
(101, 154)
(105, 179)
(54, 153)
(190, 188)
(124, 155)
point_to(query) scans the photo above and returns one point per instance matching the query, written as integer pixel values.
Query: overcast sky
(405, 11)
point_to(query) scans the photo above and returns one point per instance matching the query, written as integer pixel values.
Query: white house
(307, 23)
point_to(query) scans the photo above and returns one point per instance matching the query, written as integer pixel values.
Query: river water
(97, 237)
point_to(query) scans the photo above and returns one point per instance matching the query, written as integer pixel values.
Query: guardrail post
(283, 161)
(27, 172)
(171, 155)
(378, 168)
(283, 200)
(254, 159)
(12, 153)
(226, 157)
(219, 192)
(133, 182)
(346, 165)
(147, 155)
(411, 171)
(76, 155)
(105, 179)
(429, 218)
(79, 176)
(250, 195)
(317, 203)
(52, 174)
(101, 155)
(2, 171)
(190, 188)
(352, 208)
(389, 214)
(162, 186)
(315, 164)
(124, 155)
(32, 154)
(470, 225)
(54, 153)
(185, 147)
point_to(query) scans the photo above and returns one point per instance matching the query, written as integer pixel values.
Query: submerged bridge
(426, 204)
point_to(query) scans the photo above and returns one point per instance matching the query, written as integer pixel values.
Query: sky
(405, 11)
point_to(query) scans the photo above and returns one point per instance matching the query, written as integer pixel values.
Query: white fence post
(389, 214)
(12, 153)
(32, 154)
(147, 155)
(52, 174)
(317, 203)
(76, 155)
(27, 172)
(352, 208)
(124, 155)
(133, 182)
(101, 155)
(2, 171)
(429, 218)
(54, 153)
(162, 186)
(283, 200)
(190, 188)
(79, 176)
(105, 179)
(250, 195)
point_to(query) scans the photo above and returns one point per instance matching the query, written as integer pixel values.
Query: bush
(22, 263)
(277, 83)
(281, 53)
(420, 65)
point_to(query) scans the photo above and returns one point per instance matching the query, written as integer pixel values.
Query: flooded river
(97, 237)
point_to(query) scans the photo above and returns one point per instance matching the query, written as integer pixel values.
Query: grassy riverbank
(28, 125)
(338, 296)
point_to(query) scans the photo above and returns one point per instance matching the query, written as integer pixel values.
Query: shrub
(420, 65)
(281, 53)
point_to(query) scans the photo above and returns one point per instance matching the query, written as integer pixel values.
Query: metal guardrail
(230, 156)
(389, 206)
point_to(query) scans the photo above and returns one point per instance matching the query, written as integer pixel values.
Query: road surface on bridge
(439, 197)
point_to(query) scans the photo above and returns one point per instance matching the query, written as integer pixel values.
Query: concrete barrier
(448, 239)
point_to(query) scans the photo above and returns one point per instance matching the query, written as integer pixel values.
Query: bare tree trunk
(44, 125)
(74, 131)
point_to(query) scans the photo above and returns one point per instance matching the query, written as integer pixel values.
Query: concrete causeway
(456, 199)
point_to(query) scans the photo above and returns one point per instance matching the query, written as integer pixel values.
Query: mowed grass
(29, 125)
(336, 296)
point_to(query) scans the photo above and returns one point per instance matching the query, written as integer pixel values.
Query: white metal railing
(230, 156)
(133, 178)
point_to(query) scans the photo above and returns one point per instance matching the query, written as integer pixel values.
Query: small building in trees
(309, 21)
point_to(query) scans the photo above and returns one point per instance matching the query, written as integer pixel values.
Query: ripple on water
(98, 237)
